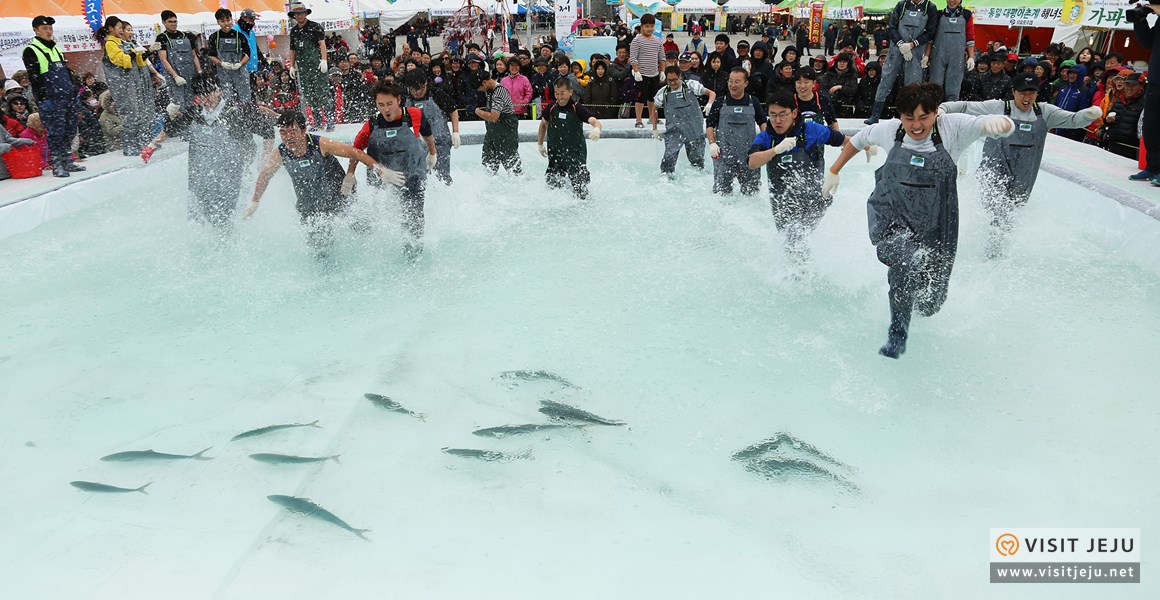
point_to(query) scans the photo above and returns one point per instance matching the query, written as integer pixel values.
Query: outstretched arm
(273, 163)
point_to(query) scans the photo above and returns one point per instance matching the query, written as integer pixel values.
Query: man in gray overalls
(684, 123)
(912, 26)
(954, 44)
(230, 51)
(1010, 165)
(438, 108)
(179, 62)
(913, 212)
(733, 121)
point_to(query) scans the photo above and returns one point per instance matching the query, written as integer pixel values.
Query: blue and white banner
(94, 14)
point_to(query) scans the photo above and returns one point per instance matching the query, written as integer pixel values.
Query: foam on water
(1028, 401)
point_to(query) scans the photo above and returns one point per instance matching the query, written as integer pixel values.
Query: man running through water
(318, 178)
(567, 153)
(913, 212)
(438, 108)
(501, 140)
(684, 124)
(1010, 165)
(790, 147)
(731, 126)
(400, 140)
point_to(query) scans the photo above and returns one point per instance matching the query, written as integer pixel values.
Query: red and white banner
(817, 14)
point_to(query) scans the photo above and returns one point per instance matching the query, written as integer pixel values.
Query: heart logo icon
(1007, 544)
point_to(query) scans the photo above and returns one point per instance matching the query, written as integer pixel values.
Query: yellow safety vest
(45, 55)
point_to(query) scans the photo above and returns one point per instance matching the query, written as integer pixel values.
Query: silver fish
(271, 429)
(89, 486)
(488, 455)
(506, 430)
(286, 459)
(562, 412)
(134, 455)
(784, 445)
(307, 507)
(784, 468)
(385, 402)
(537, 375)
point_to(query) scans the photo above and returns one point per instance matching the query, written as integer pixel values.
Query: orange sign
(817, 13)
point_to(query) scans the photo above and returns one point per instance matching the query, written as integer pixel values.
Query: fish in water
(89, 486)
(286, 459)
(135, 455)
(272, 429)
(488, 455)
(784, 444)
(537, 375)
(307, 507)
(385, 402)
(506, 430)
(784, 468)
(562, 412)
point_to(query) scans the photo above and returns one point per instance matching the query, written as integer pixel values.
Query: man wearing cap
(179, 62)
(308, 64)
(55, 93)
(995, 84)
(439, 109)
(227, 48)
(245, 26)
(1010, 165)
(951, 54)
(501, 139)
(685, 63)
(913, 24)
(697, 44)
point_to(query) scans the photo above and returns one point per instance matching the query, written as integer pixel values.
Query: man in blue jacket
(1073, 97)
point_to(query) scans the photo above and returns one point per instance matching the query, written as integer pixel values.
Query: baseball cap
(42, 20)
(1135, 79)
(672, 54)
(1024, 82)
(1013, 56)
(249, 14)
(743, 44)
(686, 56)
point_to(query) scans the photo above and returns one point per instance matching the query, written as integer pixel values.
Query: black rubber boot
(894, 347)
(876, 113)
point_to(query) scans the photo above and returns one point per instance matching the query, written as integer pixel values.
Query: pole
(1019, 40)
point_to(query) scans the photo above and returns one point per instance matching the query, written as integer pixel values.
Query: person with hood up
(577, 77)
(913, 24)
(760, 70)
(868, 89)
(841, 83)
(601, 96)
(1073, 97)
(1010, 165)
(790, 55)
(782, 78)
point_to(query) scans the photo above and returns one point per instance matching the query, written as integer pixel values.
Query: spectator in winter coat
(842, 84)
(602, 96)
(39, 135)
(782, 78)
(996, 84)
(89, 127)
(760, 70)
(715, 76)
(722, 48)
(1124, 117)
(791, 55)
(518, 87)
(867, 88)
(111, 121)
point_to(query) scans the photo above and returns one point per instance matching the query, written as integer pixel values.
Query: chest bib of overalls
(397, 147)
(735, 130)
(916, 191)
(682, 112)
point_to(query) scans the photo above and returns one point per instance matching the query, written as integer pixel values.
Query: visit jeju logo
(1007, 544)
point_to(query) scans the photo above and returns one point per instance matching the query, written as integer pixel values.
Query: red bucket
(23, 163)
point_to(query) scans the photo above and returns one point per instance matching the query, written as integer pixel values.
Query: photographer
(1149, 37)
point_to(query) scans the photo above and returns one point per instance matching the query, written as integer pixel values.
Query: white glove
(229, 66)
(155, 46)
(789, 143)
(1092, 113)
(830, 184)
(543, 150)
(925, 60)
(714, 151)
(347, 184)
(708, 109)
(179, 80)
(637, 76)
(594, 135)
(323, 67)
(173, 109)
(871, 152)
(293, 72)
(994, 125)
(657, 134)
(907, 53)
(970, 64)
(138, 49)
(251, 208)
(431, 160)
(390, 175)
(455, 140)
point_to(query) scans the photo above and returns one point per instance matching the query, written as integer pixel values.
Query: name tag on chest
(787, 158)
(952, 20)
(917, 161)
(305, 163)
(392, 133)
(912, 13)
(562, 115)
(738, 109)
(1025, 127)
